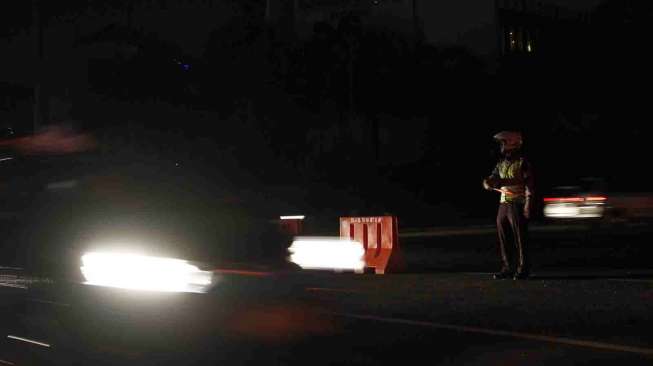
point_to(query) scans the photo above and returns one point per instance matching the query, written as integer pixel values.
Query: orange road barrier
(380, 238)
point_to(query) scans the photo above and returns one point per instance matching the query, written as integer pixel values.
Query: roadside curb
(481, 230)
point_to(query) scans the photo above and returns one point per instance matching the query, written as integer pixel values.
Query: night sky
(320, 108)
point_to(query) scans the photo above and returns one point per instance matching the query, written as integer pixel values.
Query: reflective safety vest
(509, 169)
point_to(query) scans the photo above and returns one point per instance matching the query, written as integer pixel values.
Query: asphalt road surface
(442, 319)
(588, 303)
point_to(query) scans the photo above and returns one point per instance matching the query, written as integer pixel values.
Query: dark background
(350, 119)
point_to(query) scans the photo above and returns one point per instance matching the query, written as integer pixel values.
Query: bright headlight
(141, 272)
(327, 253)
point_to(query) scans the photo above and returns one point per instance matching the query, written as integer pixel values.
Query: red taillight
(564, 199)
(576, 199)
(596, 198)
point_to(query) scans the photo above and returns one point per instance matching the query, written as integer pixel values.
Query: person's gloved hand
(486, 185)
(490, 183)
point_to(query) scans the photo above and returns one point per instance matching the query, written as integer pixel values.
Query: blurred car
(63, 204)
(587, 200)
(591, 199)
(129, 263)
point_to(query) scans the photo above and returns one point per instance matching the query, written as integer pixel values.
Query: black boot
(505, 273)
(521, 275)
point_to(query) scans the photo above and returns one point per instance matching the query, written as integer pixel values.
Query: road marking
(6, 362)
(481, 230)
(27, 340)
(4, 284)
(50, 302)
(503, 333)
(447, 232)
(639, 280)
(324, 289)
(242, 272)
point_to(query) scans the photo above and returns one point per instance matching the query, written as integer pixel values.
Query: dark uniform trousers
(511, 224)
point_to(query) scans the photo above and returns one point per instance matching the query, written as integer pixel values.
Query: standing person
(513, 177)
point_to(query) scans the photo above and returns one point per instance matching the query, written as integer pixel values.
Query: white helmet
(511, 139)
